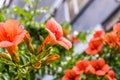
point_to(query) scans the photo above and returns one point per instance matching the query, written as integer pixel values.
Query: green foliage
(82, 36)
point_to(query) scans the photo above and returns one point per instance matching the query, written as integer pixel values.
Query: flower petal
(51, 25)
(92, 70)
(19, 37)
(77, 70)
(94, 63)
(99, 34)
(11, 27)
(116, 27)
(101, 62)
(91, 51)
(70, 73)
(54, 27)
(64, 42)
(100, 73)
(106, 68)
(5, 44)
(65, 78)
(51, 34)
(2, 32)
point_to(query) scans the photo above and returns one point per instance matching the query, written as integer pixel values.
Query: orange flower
(110, 38)
(94, 46)
(116, 27)
(73, 39)
(99, 34)
(82, 66)
(11, 34)
(118, 41)
(55, 34)
(111, 75)
(99, 67)
(71, 75)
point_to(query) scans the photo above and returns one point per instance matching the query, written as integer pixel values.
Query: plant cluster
(23, 62)
(101, 59)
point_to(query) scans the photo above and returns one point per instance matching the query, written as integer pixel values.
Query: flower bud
(51, 59)
(41, 38)
(6, 56)
(15, 57)
(40, 48)
(28, 42)
(43, 47)
(37, 65)
(31, 48)
(27, 38)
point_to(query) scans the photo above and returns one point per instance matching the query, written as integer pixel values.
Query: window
(73, 7)
(81, 3)
(5, 3)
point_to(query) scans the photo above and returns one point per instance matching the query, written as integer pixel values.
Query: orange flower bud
(43, 46)
(31, 48)
(6, 56)
(27, 38)
(28, 42)
(37, 65)
(40, 48)
(16, 57)
(51, 59)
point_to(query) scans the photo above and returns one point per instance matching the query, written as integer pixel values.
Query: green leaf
(2, 67)
(66, 25)
(82, 36)
(83, 76)
(54, 50)
(28, 76)
(11, 69)
(6, 76)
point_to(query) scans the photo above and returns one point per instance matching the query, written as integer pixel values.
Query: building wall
(97, 12)
(85, 18)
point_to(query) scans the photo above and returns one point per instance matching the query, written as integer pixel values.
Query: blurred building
(82, 14)
(87, 14)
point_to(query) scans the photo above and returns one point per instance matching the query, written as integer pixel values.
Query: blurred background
(82, 14)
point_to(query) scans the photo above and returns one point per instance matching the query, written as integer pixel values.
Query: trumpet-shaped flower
(111, 75)
(99, 67)
(55, 34)
(110, 39)
(99, 34)
(94, 46)
(11, 34)
(82, 66)
(71, 75)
